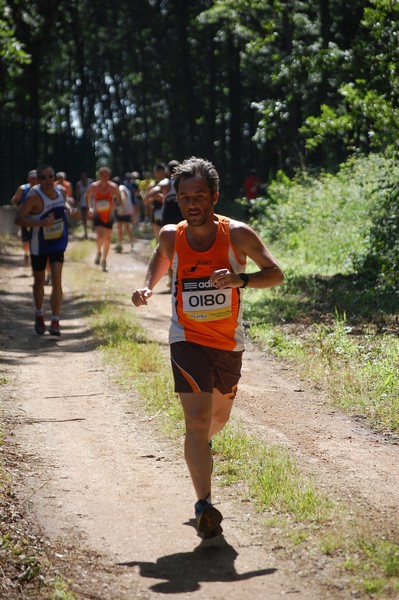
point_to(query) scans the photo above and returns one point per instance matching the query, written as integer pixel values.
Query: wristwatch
(245, 279)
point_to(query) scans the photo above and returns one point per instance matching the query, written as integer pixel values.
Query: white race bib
(102, 206)
(55, 231)
(203, 302)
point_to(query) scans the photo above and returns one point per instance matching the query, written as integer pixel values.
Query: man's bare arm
(17, 197)
(32, 206)
(158, 265)
(248, 244)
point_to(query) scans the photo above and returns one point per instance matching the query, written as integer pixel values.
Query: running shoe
(47, 280)
(208, 519)
(40, 327)
(98, 258)
(118, 248)
(104, 266)
(55, 328)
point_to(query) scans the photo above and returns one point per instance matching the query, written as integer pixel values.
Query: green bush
(382, 258)
(345, 223)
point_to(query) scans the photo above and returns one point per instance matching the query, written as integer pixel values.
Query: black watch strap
(245, 279)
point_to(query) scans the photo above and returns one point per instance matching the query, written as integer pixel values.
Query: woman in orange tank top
(101, 198)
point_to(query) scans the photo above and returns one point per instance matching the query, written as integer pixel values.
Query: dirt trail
(102, 478)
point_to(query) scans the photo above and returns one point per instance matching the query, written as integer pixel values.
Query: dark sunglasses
(46, 176)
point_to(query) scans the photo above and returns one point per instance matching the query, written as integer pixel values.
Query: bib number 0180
(201, 301)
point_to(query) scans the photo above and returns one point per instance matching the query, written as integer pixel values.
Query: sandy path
(102, 478)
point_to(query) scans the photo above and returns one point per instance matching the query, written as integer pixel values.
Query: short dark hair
(199, 168)
(172, 166)
(43, 167)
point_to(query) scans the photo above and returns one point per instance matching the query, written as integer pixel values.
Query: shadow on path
(212, 560)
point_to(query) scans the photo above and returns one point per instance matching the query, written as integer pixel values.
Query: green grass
(274, 479)
(359, 372)
(268, 475)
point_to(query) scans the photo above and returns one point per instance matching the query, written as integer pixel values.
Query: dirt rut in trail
(102, 478)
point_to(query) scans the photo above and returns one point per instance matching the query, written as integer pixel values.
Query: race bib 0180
(203, 302)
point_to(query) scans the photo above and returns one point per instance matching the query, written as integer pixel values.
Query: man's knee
(220, 418)
(38, 278)
(198, 421)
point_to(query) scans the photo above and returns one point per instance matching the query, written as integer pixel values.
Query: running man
(19, 198)
(45, 212)
(101, 198)
(207, 253)
(81, 189)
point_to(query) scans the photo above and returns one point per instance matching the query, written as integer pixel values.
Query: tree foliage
(270, 84)
(12, 53)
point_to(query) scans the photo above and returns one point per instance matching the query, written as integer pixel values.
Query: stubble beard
(196, 221)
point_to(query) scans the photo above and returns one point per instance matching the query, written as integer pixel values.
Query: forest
(265, 84)
(282, 86)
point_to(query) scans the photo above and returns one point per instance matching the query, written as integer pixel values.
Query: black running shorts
(38, 261)
(199, 368)
(98, 223)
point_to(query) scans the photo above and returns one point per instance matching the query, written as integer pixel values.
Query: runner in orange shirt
(101, 198)
(207, 253)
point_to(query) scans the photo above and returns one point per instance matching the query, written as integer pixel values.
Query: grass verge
(358, 372)
(267, 475)
(26, 562)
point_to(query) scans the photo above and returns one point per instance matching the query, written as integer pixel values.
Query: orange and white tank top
(201, 313)
(103, 203)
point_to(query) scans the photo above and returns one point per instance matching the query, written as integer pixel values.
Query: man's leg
(25, 248)
(106, 242)
(38, 288)
(56, 297)
(83, 216)
(197, 408)
(56, 292)
(221, 409)
(38, 295)
(119, 226)
(129, 231)
(99, 238)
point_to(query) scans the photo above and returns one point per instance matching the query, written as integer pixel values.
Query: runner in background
(124, 215)
(145, 184)
(81, 188)
(101, 197)
(17, 200)
(153, 199)
(44, 211)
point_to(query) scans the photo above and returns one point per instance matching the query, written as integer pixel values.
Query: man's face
(159, 174)
(46, 178)
(196, 201)
(104, 175)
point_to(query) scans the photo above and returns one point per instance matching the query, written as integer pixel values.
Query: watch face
(244, 277)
